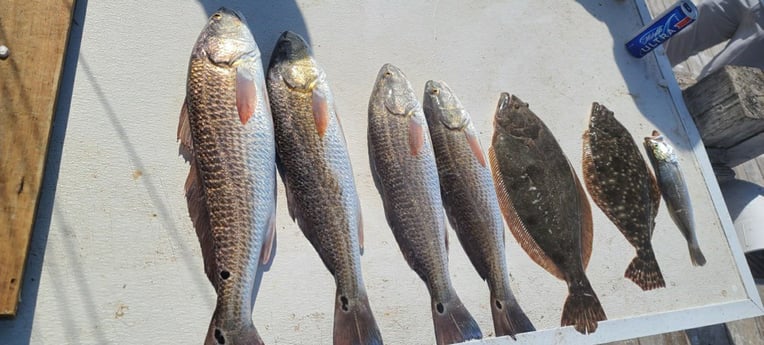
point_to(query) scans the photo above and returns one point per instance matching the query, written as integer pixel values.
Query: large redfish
(226, 133)
(315, 167)
(470, 201)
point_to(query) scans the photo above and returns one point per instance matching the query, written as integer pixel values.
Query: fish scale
(622, 186)
(230, 188)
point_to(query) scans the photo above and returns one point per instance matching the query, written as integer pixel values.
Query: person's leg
(717, 21)
(746, 47)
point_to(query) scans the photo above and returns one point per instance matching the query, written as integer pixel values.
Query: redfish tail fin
(218, 334)
(354, 323)
(508, 317)
(453, 322)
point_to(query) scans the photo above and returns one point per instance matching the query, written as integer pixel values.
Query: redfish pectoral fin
(416, 136)
(477, 150)
(320, 112)
(246, 94)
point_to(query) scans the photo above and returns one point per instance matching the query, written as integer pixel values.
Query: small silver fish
(674, 190)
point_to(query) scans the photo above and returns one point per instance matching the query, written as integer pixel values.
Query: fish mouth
(443, 103)
(232, 12)
(293, 47)
(655, 137)
(396, 90)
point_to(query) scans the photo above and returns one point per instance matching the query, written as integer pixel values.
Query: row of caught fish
(239, 123)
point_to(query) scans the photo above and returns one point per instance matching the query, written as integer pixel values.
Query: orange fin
(416, 136)
(320, 112)
(246, 94)
(475, 146)
(516, 225)
(200, 217)
(186, 148)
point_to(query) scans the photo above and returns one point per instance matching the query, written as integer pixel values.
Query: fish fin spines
(582, 309)
(516, 225)
(320, 112)
(200, 217)
(246, 94)
(186, 148)
(644, 271)
(453, 322)
(696, 256)
(354, 322)
(508, 317)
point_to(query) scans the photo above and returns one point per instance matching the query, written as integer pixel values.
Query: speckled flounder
(226, 133)
(674, 190)
(470, 201)
(621, 184)
(405, 174)
(314, 164)
(545, 205)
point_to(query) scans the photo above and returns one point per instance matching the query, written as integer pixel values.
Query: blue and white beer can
(665, 25)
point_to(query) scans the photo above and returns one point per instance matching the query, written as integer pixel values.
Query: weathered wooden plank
(674, 338)
(36, 33)
(747, 331)
(625, 342)
(744, 151)
(709, 335)
(728, 106)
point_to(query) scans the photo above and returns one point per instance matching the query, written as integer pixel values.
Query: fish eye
(217, 16)
(388, 74)
(435, 91)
